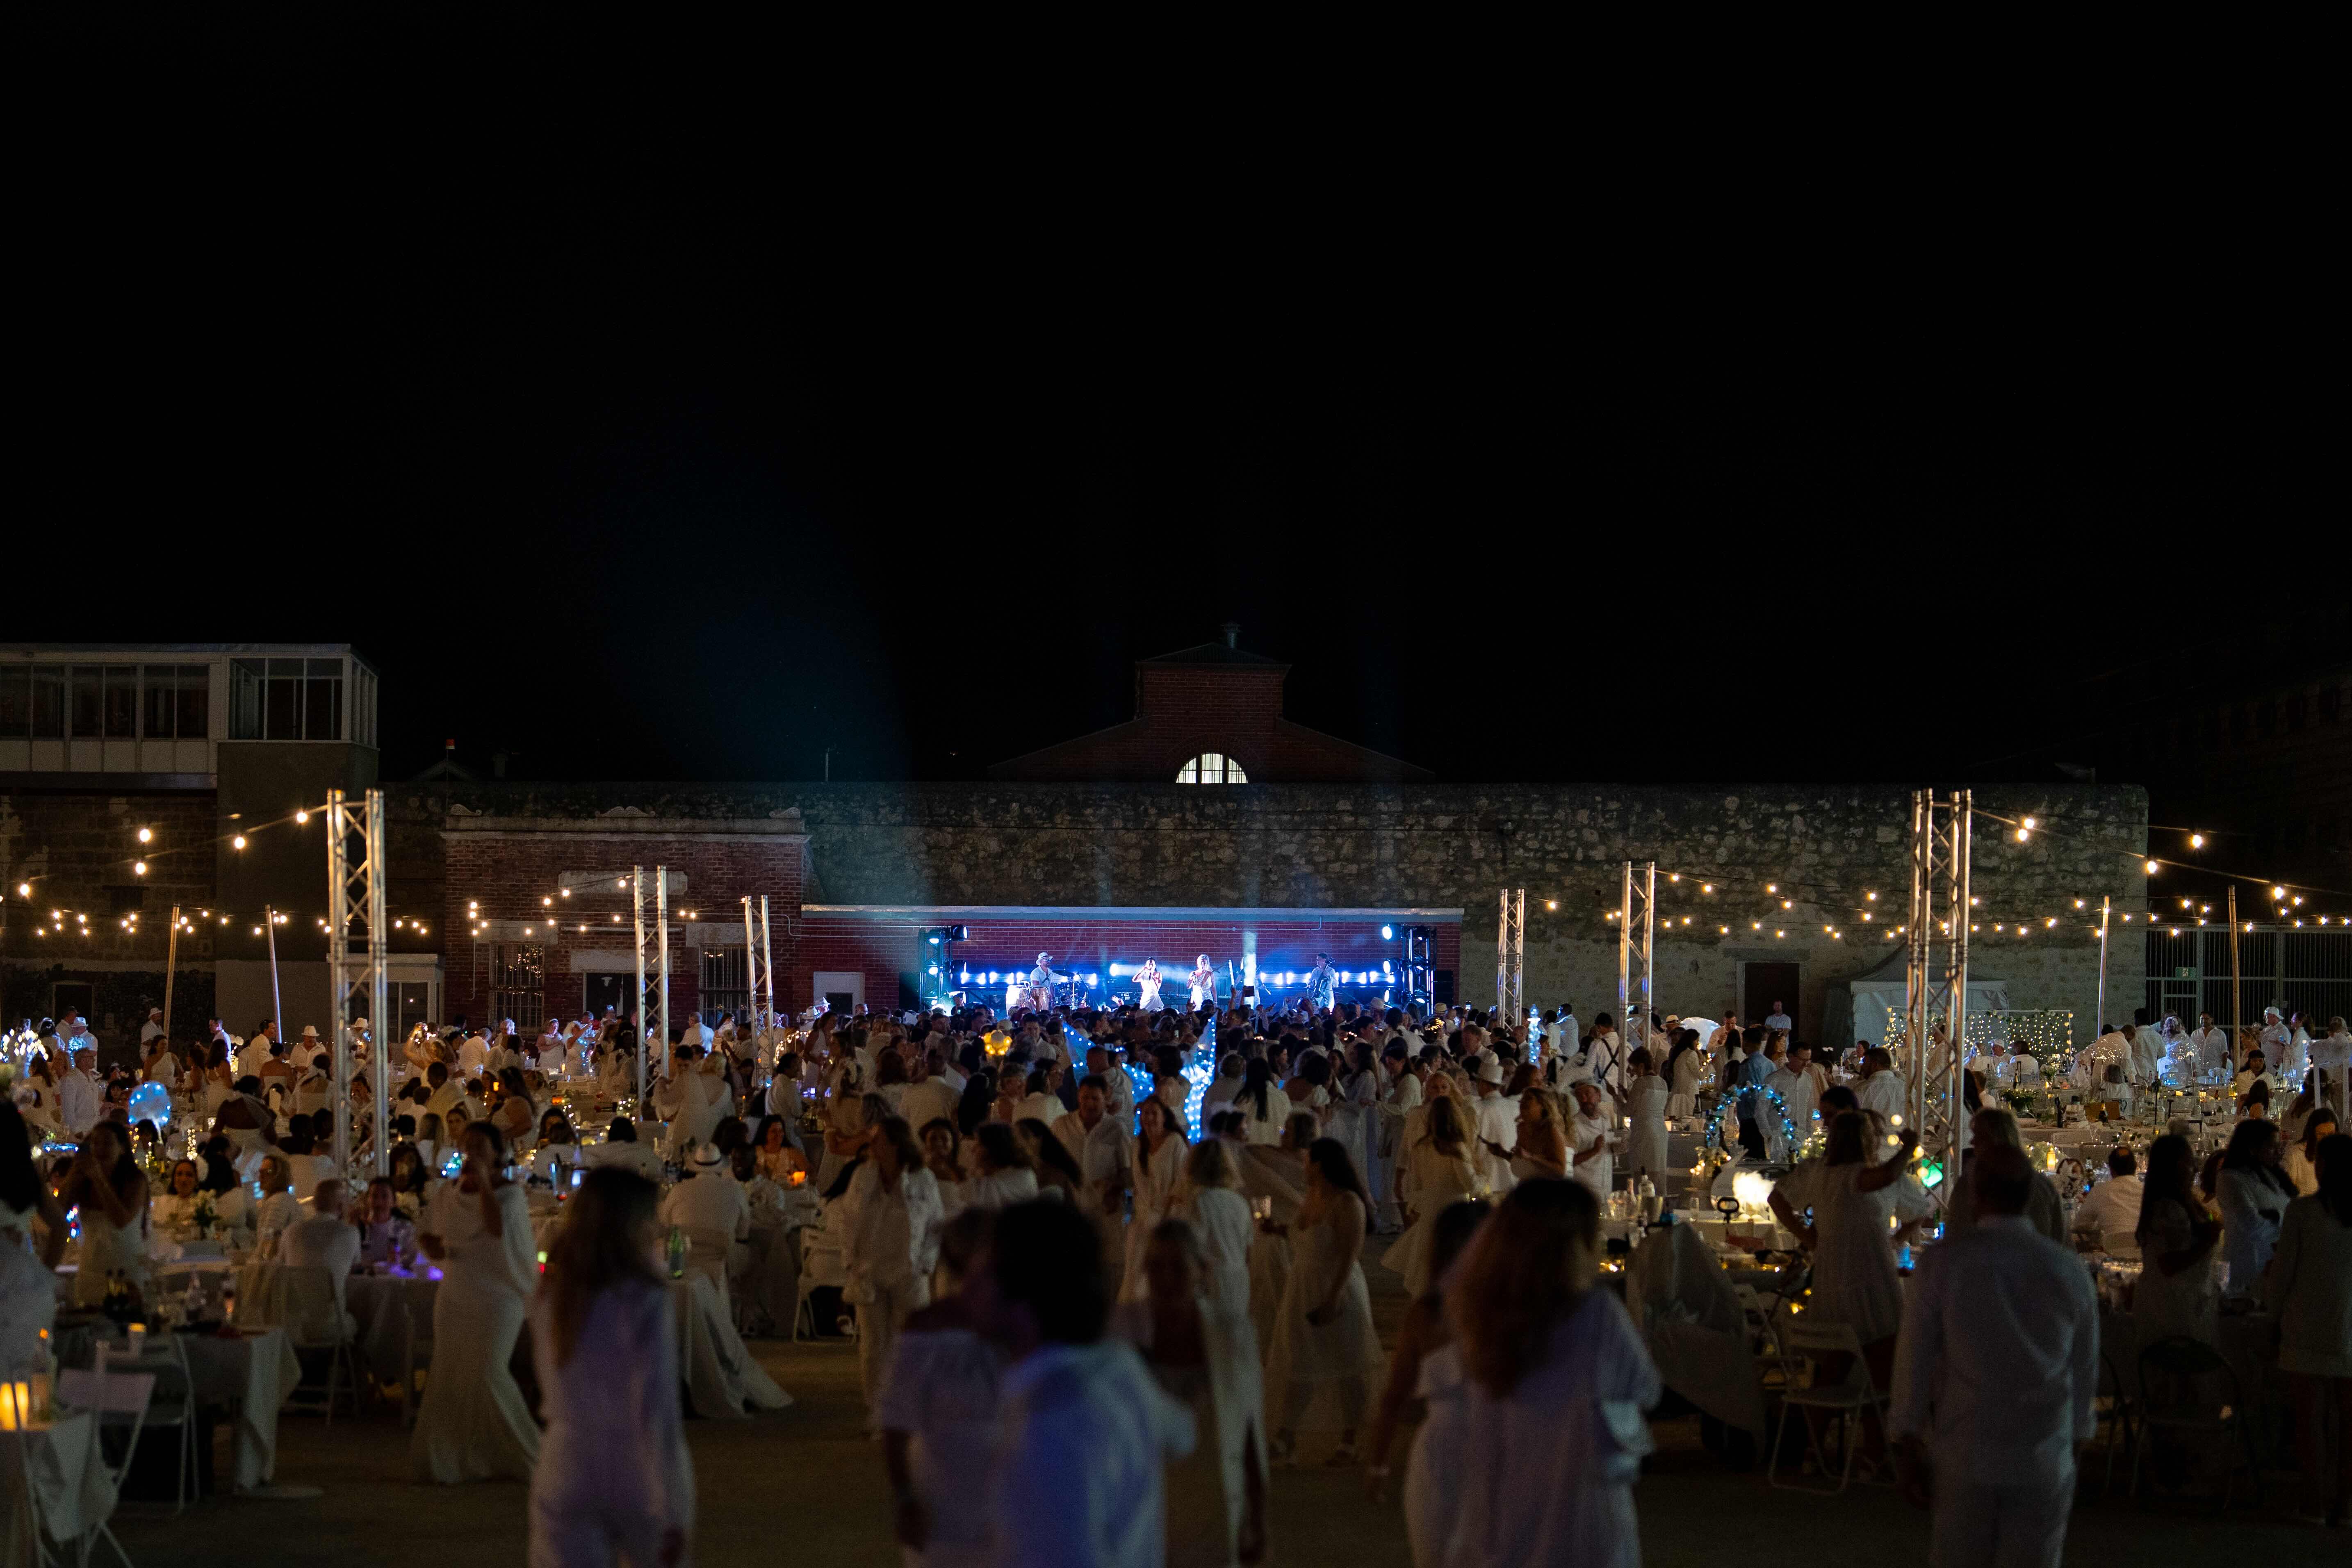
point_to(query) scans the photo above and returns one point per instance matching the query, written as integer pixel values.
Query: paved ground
(802, 1487)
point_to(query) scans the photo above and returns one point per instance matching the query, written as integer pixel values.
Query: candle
(16, 1402)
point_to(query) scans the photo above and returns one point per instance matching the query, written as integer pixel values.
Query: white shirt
(1884, 1092)
(321, 1242)
(1596, 1173)
(1498, 1122)
(1084, 1439)
(2110, 1211)
(1780, 1021)
(1999, 1358)
(1102, 1152)
(713, 1201)
(79, 1101)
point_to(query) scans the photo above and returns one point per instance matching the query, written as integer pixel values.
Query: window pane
(85, 700)
(322, 706)
(1234, 774)
(156, 711)
(121, 702)
(244, 699)
(281, 717)
(50, 701)
(16, 702)
(195, 703)
(1190, 773)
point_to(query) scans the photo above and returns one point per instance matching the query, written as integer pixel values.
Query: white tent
(1871, 999)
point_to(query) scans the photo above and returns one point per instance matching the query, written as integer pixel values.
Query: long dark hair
(2334, 1195)
(20, 1182)
(600, 1246)
(2248, 1143)
(2171, 1174)
(979, 1099)
(1330, 1156)
(1048, 1152)
(1258, 1076)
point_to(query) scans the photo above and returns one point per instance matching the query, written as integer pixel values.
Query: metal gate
(2298, 971)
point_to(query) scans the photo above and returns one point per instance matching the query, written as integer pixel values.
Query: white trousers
(1977, 1525)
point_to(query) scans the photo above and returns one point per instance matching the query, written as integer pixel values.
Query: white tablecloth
(67, 1475)
(253, 1374)
(386, 1309)
(720, 1375)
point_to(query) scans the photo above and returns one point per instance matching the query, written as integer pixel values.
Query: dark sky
(637, 464)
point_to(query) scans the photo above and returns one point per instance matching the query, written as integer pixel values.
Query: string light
(2151, 868)
(139, 868)
(2197, 841)
(238, 842)
(146, 836)
(301, 817)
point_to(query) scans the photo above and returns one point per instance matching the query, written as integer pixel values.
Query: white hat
(706, 1157)
(309, 1031)
(1044, 956)
(1489, 1069)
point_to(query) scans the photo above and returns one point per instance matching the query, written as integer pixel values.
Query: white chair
(1803, 1345)
(705, 1254)
(304, 1301)
(119, 1400)
(821, 1265)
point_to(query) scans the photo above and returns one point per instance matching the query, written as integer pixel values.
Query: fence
(2306, 971)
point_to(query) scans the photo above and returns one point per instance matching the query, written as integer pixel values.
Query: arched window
(1211, 767)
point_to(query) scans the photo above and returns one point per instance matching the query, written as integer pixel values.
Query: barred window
(1211, 767)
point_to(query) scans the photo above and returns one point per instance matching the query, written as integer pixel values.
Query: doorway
(71, 996)
(607, 992)
(1761, 985)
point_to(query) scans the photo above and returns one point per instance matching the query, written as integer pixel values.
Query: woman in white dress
(1214, 1204)
(1685, 1067)
(1855, 1281)
(1264, 1109)
(614, 1477)
(939, 1416)
(1147, 984)
(1644, 1105)
(107, 1185)
(1356, 1112)
(1323, 1331)
(1204, 1355)
(1535, 1434)
(2252, 1193)
(1442, 1174)
(1204, 983)
(1273, 1178)
(1159, 1156)
(473, 1424)
(29, 1298)
(889, 1221)
(2176, 1293)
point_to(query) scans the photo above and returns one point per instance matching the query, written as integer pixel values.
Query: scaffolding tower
(1936, 978)
(653, 972)
(1636, 908)
(357, 935)
(1511, 958)
(758, 974)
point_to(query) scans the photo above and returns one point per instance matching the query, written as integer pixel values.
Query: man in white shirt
(2212, 1047)
(1099, 1142)
(80, 1096)
(2109, 1212)
(1118, 1088)
(1224, 1086)
(621, 1148)
(1589, 1161)
(1085, 1435)
(1995, 1376)
(927, 1098)
(278, 1209)
(1794, 1084)
(1778, 1018)
(1498, 1127)
(325, 1240)
(473, 1052)
(2275, 1035)
(1884, 1090)
(708, 1200)
(149, 1030)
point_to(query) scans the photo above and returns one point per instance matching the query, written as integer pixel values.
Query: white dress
(1544, 1474)
(28, 1297)
(473, 1424)
(1356, 1122)
(1646, 1126)
(1855, 1281)
(2164, 1305)
(1437, 1183)
(940, 1389)
(1223, 1217)
(1345, 1347)
(614, 1472)
(109, 1249)
(1157, 1177)
(1682, 1099)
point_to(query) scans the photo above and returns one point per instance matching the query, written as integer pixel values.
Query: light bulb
(2278, 893)
(1771, 886)
(24, 890)
(301, 817)
(146, 836)
(2151, 868)
(139, 868)
(2197, 841)
(238, 842)
(2030, 824)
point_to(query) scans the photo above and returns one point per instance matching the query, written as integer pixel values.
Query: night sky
(635, 477)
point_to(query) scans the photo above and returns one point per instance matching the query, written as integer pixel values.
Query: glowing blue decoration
(451, 1167)
(1788, 1126)
(1204, 1057)
(152, 1102)
(964, 977)
(1388, 934)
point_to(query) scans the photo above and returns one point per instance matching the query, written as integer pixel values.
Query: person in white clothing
(1535, 1429)
(1778, 1018)
(2109, 1212)
(1204, 983)
(1498, 1116)
(326, 1240)
(889, 1219)
(614, 1477)
(1996, 1373)
(1587, 1140)
(80, 1096)
(474, 1423)
(1086, 1432)
(1794, 1084)
(711, 1207)
(1884, 1090)
(2211, 1046)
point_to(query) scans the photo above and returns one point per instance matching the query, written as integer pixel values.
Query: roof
(281, 649)
(1215, 653)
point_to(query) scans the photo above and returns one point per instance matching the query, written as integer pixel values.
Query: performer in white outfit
(1147, 980)
(1041, 983)
(474, 1423)
(615, 1477)
(1204, 983)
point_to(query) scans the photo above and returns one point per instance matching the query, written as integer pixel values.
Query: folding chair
(2118, 1408)
(305, 1302)
(1803, 1345)
(119, 1400)
(821, 1265)
(2194, 1394)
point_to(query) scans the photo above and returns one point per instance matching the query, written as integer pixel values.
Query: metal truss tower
(758, 974)
(1935, 979)
(653, 972)
(1511, 957)
(1636, 966)
(355, 910)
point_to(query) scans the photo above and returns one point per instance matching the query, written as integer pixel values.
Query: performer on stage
(1148, 980)
(1323, 984)
(1204, 983)
(1040, 984)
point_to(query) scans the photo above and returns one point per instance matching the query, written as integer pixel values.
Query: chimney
(1232, 631)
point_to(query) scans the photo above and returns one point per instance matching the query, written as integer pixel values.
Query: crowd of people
(1136, 1243)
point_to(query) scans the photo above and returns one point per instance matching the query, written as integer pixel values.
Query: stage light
(963, 977)
(1388, 934)
(1093, 980)
(935, 969)
(934, 941)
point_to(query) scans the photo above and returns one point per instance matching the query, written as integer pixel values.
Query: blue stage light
(935, 969)
(1388, 934)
